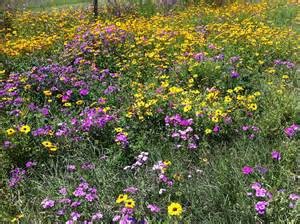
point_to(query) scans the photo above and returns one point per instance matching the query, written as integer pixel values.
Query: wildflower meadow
(150, 112)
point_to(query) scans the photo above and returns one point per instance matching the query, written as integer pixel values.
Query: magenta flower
(276, 155)
(84, 92)
(261, 207)
(247, 170)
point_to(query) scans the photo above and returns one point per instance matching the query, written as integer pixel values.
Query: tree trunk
(95, 8)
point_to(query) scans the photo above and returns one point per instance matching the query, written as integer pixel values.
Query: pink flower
(153, 208)
(247, 170)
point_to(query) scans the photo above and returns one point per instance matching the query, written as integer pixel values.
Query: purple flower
(75, 216)
(90, 197)
(47, 203)
(247, 170)
(65, 201)
(75, 204)
(216, 129)
(276, 155)
(30, 164)
(63, 191)
(260, 192)
(84, 92)
(292, 130)
(256, 186)
(16, 176)
(79, 192)
(261, 207)
(234, 74)
(131, 190)
(199, 57)
(121, 138)
(60, 212)
(71, 168)
(97, 216)
(88, 166)
(116, 218)
(153, 208)
(261, 169)
(7, 144)
(294, 197)
(69, 222)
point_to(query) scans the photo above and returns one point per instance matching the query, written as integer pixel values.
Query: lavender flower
(47, 203)
(153, 208)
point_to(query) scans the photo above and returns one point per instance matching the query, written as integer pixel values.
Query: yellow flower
(121, 198)
(10, 131)
(53, 148)
(187, 108)
(229, 91)
(47, 93)
(174, 209)
(167, 162)
(257, 93)
(118, 129)
(67, 104)
(129, 203)
(285, 76)
(25, 129)
(252, 106)
(79, 102)
(227, 99)
(208, 131)
(47, 144)
(215, 119)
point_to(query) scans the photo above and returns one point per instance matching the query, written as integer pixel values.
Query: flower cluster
(17, 175)
(140, 160)
(186, 135)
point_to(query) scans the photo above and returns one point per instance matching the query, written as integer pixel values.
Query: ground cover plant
(182, 114)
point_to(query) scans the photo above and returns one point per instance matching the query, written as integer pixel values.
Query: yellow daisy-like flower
(215, 119)
(10, 131)
(187, 108)
(47, 144)
(121, 198)
(252, 106)
(167, 162)
(129, 203)
(53, 148)
(208, 131)
(25, 129)
(118, 129)
(227, 99)
(174, 209)
(79, 102)
(47, 93)
(67, 104)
